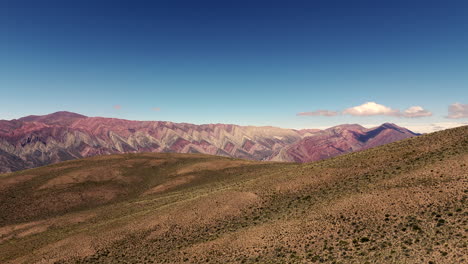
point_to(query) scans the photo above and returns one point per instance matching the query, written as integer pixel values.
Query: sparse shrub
(416, 227)
(440, 222)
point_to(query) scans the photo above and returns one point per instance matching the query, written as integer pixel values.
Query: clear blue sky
(243, 62)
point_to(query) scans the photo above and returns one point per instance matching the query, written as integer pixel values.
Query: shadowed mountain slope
(404, 202)
(339, 140)
(34, 141)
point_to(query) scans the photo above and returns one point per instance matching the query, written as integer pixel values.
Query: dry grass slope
(404, 202)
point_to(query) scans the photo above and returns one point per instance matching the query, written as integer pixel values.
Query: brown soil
(404, 202)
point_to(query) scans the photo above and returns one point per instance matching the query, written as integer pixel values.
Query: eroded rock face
(40, 140)
(34, 141)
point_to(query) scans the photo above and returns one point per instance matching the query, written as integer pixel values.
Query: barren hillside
(404, 202)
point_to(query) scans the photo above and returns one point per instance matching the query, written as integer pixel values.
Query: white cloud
(9, 116)
(416, 111)
(117, 107)
(156, 109)
(318, 113)
(458, 110)
(371, 109)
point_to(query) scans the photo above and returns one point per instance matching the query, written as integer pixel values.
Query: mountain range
(34, 141)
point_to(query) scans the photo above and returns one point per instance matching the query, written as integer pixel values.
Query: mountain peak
(354, 127)
(395, 127)
(390, 125)
(57, 118)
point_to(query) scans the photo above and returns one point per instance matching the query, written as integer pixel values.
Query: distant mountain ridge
(339, 140)
(34, 141)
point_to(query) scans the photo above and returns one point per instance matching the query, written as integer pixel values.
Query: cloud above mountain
(416, 111)
(318, 113)
(370, 109)
(117, 107)
(373, 109)
(457, 110)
